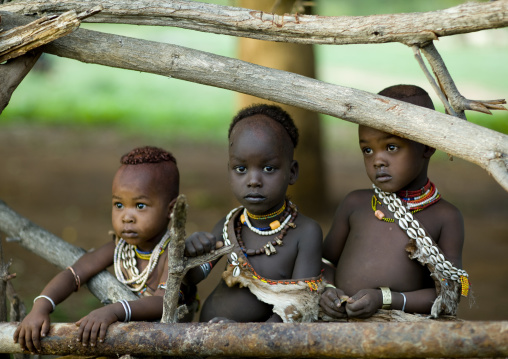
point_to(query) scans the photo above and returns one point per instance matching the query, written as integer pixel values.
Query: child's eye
(391, 148)
(118, 205)
(240, 169)
(140, 205)
(367, 150)
(269, 169)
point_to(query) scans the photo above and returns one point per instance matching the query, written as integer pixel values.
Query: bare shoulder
(446, 213)
(357, 198)
(308, 228)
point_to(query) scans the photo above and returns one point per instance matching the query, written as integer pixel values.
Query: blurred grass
(66, 92)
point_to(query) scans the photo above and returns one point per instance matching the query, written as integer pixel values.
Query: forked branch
(457, 102)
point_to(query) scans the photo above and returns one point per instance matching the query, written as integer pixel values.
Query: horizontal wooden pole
(410, 28)
(424, 339)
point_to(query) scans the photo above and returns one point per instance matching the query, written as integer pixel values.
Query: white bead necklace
(265, 233)
(125, 256)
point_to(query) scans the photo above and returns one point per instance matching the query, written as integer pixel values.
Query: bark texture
(409, 29)
(423, 339)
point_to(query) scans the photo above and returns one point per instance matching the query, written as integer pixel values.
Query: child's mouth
(254, 198)
(383, 177)
(129, 234)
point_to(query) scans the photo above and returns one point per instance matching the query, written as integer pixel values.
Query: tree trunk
(309, 191)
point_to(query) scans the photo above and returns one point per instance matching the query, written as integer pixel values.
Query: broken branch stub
(18, 41)
(178, 265)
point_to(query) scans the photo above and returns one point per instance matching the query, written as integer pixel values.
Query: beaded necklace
(125, 256)
(414, 200)
(267, 216)
(269, 247)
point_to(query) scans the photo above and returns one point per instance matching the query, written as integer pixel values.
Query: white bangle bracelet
(404, 304)
(127, 308)
(48, 298)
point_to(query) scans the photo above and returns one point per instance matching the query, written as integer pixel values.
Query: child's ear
(170, 207)
(428, 151)
(294, 171)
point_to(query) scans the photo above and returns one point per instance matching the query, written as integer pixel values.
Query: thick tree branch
(421, 339)
(411, 28)
(58, 252)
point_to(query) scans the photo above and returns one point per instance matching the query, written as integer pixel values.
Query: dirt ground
(60, 178)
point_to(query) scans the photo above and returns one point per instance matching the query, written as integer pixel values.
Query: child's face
(393, 163)
(261, 164)
(140, 213)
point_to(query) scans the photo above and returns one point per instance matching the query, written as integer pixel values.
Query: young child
(144, 191)
(373, 231)
(273, 273)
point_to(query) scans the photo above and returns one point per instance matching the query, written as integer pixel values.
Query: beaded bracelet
(127, 308)
(48, 298)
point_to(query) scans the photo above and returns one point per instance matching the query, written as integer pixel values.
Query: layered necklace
(415, 201)
(288, 217)
(125, 257)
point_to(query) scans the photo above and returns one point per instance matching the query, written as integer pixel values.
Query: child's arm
(94, 326)
(333, 299)
(308, 260)
(367, 301)
(36, 323)
(338, 234)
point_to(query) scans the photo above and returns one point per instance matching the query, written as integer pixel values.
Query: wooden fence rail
(425, 339)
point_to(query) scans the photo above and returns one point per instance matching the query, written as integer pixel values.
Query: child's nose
(254, 179)
(127, 217)
(380, 161)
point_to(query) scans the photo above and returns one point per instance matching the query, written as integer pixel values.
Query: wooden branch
(18, 41)
(487, 148)
(60, 253)
(13, 72)
(448, 108)
(178, 265)
(409, 29)
(424, 339)
(457, 101)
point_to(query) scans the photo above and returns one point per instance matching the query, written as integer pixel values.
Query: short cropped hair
(170, 179)
(409, 93)
(274, 112)
(147, 154)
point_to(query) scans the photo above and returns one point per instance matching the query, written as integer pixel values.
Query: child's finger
(102, 333)
(45, 328)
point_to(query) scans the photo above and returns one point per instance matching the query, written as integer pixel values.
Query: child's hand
(95, 325)
(200, 243)
(364, 303)
(29, 332)
(332, 302)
